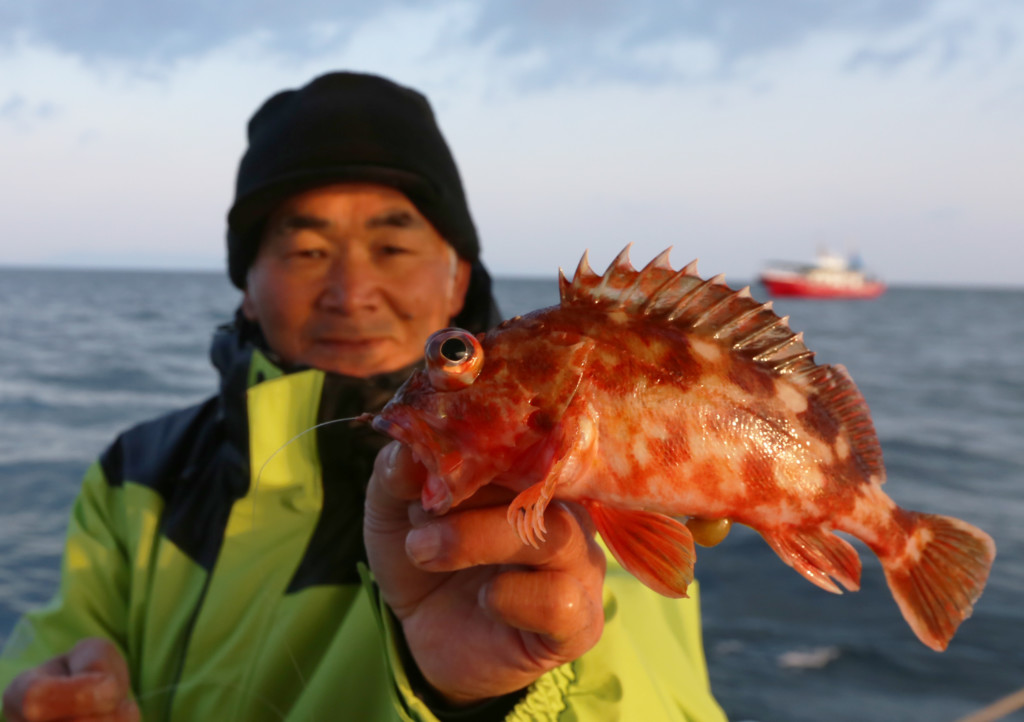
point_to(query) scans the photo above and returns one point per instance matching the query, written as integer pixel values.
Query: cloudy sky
(736, 131)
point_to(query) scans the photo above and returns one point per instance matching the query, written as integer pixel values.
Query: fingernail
(423, 544)
(391, 457)
(483, 597)
(105, 691)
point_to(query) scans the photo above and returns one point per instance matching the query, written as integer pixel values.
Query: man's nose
(351, 284)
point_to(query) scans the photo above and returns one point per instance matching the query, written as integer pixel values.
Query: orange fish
(650, 396)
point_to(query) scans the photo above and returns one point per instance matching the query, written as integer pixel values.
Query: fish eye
(454, 359)
(454, 350)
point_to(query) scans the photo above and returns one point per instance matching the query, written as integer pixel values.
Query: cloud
(12, 107)
(164, 33)
(564, 41)
(586, 40)
(19, 110)
(946, 44)
(738, 28)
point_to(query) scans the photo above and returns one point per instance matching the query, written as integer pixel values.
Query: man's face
(351, 278)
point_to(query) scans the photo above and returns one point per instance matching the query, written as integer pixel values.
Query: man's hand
(88, 683)
(483, 614)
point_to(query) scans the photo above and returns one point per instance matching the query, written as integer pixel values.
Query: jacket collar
(241, 356)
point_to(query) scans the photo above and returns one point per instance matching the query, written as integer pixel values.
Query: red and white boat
(831, 277)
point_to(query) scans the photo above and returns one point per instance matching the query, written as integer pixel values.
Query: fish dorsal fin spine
(564, 285)
(686, 303)
(786, 353)
(620, 267)
(711, 312)
(635, 295)
(684, 277)
(569, 291)
(741, 319)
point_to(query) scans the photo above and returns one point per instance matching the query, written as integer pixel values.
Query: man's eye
(310, 253)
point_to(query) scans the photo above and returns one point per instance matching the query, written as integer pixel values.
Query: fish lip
(407, 427)
(388, 427)
(402, 426)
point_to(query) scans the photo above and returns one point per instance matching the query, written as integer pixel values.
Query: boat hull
(797, 287)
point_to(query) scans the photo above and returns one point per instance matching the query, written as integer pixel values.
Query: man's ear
(460, 284)
(248, 306)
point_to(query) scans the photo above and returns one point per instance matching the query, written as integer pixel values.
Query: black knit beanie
(346, 127)
(351, 127)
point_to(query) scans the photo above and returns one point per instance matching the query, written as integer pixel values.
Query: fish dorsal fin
(836, 390)
(682, 299)
(735, 321)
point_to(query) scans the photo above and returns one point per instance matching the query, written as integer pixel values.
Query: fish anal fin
(939, 575)
(818, 554)
(656, 549)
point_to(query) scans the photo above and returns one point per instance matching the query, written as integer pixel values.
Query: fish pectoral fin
(526, 513)
(818, 554)
(567, 456)
(656, 549)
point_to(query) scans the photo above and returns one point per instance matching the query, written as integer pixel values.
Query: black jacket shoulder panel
(148, 451)
(183, 458)
(347, 451)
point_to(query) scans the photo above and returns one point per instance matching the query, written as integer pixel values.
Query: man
(214, 564)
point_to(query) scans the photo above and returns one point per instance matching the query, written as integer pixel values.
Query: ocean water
(83, 354)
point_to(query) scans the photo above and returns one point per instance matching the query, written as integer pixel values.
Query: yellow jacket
(225, 564)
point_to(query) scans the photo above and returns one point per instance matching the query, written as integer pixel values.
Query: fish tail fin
(938, 575)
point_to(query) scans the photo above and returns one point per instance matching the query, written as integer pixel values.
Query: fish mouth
(405, 427)
(430, 447)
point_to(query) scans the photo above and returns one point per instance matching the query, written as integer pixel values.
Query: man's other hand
(88, 683)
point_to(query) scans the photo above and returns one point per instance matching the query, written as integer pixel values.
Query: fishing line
(364, 417)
